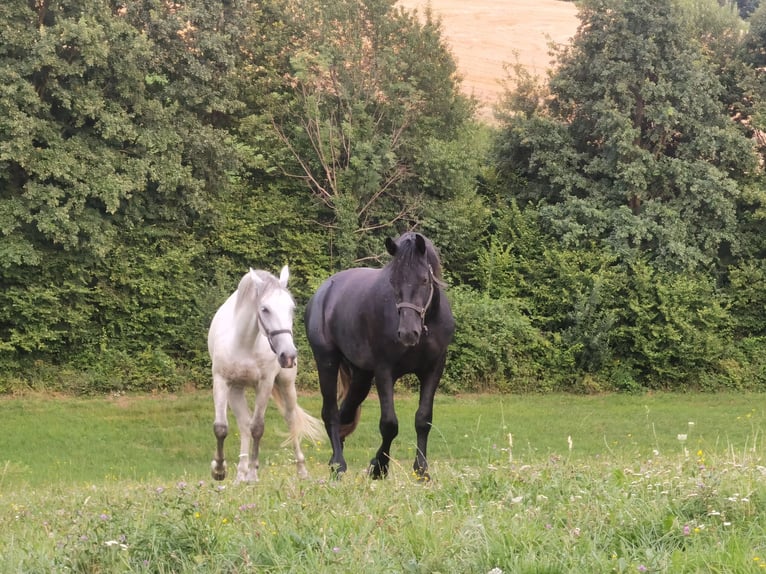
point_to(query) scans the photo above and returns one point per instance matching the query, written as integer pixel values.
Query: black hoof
(421, 472)
(337, 471)
(377, 471)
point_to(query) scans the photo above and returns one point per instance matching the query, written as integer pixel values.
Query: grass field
(655, 483)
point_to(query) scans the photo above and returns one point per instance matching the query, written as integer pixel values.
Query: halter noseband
(424, 309)
(271, 334)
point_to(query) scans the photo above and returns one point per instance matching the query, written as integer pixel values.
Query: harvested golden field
(486, 34)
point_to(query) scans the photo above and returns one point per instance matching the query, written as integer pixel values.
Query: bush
(672, 329)
(496, 347)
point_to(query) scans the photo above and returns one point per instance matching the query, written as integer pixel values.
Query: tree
(370, 88)
(110, 148)
(634, 147)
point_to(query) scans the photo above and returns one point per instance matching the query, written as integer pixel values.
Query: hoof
(249, 479)
(337, 471)
(218, 472)
(377, 471)
(421, 472)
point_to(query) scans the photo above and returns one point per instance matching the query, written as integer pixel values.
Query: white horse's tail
(304, 425)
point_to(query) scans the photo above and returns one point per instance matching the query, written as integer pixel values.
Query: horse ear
(390, 246)
(420, 243)
(284, 275)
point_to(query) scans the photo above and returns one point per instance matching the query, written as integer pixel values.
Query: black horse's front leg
(389, 426)
(424, 417)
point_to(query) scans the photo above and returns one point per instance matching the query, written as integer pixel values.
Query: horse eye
(265, 310)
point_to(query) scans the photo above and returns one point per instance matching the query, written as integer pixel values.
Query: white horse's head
(275, 308)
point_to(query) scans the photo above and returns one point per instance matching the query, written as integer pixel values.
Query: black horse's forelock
(406, 253)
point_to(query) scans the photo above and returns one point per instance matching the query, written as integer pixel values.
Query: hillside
(485, 35)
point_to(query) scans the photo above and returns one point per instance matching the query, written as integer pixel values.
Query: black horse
(381, 323)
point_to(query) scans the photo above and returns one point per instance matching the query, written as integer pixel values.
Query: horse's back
(340, 293)
(340, 305)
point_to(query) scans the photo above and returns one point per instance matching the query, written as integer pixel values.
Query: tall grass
(665, 483)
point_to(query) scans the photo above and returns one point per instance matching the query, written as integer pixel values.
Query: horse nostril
(409, 338)
(287, 360)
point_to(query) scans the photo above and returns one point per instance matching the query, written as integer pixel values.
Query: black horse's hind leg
(389, 426)
(359, 388)
(328, 383)
(424, 416)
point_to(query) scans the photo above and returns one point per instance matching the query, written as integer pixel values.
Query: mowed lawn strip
(47, 440)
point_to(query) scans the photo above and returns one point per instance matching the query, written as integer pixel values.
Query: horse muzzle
(409, 339)
(409, 332)
(285, 350)
(287, 360)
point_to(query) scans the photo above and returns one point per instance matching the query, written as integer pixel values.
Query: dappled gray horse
(251, 345)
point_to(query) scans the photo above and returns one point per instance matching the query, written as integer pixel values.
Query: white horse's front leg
(257, 426)
(220, 427)
(238, 404)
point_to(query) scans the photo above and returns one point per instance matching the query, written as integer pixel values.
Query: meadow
(555, 483)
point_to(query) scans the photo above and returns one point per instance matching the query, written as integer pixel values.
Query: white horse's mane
(257, 283)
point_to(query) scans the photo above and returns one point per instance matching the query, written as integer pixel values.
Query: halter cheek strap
(419, 310)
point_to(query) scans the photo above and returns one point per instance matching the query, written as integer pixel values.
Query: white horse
(251, 345)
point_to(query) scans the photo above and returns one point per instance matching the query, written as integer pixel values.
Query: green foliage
(267, 227)
(105, 191)
(633, 149)
(756, 37)
(606, 234)
(376, 140)
(496, 347)
(748, 299)
(673, 329)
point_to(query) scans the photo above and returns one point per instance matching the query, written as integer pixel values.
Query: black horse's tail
(344, 381)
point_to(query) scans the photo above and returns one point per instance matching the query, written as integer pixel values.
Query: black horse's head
(415, 272)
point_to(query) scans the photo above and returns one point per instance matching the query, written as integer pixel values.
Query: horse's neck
(246, 326)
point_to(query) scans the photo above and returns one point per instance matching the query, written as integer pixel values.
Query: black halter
(271, 334)
(424, 309)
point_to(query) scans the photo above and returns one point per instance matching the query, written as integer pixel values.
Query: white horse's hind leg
(220, 427)
(238, 404)
(285, 386)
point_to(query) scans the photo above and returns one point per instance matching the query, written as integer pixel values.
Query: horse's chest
(247, 370)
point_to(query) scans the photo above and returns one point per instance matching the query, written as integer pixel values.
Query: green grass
(122, 485)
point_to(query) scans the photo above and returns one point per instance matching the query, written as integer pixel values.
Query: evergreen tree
(634, 147)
